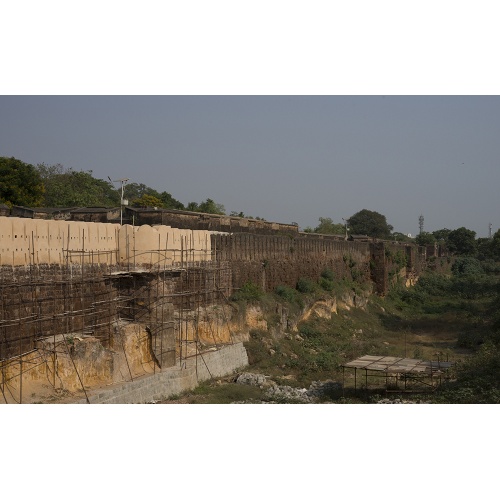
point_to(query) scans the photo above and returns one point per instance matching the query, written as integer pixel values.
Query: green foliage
(170, 202)
(286, 293)
(65, 187)
(477, 380)
(147, 200)
(207, 207)
(305, 285)
(424, 239)
(248, 292)
(466, 266)
(327, 226)
(490, 266)
(370, 223)
(20, 183)
(398, 258)
(495, 246)
(134, 191)
(326, 284)
(462, 241)
(70, 188)
(328, 274)
(441, 235)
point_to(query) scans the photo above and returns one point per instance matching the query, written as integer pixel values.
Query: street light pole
(123, 182)
(345, 226)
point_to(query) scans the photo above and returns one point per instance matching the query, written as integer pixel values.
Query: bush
(305, 285)
(326, 284)
(286, 293)
(249, 291)
(466, 266)
(328, 274)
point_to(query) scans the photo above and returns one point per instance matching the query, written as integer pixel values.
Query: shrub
(249, 291)
(328, 274)
(305, 285)
(326, 284)
(286, 293)
(466, 266)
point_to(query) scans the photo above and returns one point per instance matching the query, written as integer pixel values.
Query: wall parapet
(28, 242)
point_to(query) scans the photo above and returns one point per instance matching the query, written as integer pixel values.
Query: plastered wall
(34, 242)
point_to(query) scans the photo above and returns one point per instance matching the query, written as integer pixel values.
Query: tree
(441, 235)
(147, 200)
(65, 187)
(207, 207)
(490, 248)
(370, 223)
(466, 266)
(170, 202)
(327, 226)
(424, 239)
(485, 248)
(462, 241)
(134, 191)
(20, 183)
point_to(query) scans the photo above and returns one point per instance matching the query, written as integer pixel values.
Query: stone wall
(269, 261)
(210, 222)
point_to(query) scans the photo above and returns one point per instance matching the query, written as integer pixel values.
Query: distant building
(96, 214)
(4, 210)
(41, 213)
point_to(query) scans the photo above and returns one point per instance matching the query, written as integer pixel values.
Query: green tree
(466, 266)
(207, 207)
(170, 202)
(327, 226)
(147, 200)
(495, 246)
(20, 183)
(370, 223)
(71, 188)
(441, 235)
(134, 191)
(424, 239)
(462, 241)
(485, 249)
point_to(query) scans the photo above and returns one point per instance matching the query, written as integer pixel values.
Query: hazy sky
(287, 159)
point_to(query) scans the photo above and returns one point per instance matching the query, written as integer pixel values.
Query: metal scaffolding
(44, 309)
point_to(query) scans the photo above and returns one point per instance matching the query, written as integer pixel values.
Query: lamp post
(345, 225)
(123, 182)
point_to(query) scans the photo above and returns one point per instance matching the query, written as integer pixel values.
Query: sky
(283, 158)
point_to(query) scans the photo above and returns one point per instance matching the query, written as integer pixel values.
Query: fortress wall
(38, 242)
(270, 261)
(162, 245)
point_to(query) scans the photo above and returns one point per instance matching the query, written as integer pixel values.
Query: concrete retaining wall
(173, 380)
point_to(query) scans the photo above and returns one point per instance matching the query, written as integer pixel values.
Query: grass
(439, 317)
